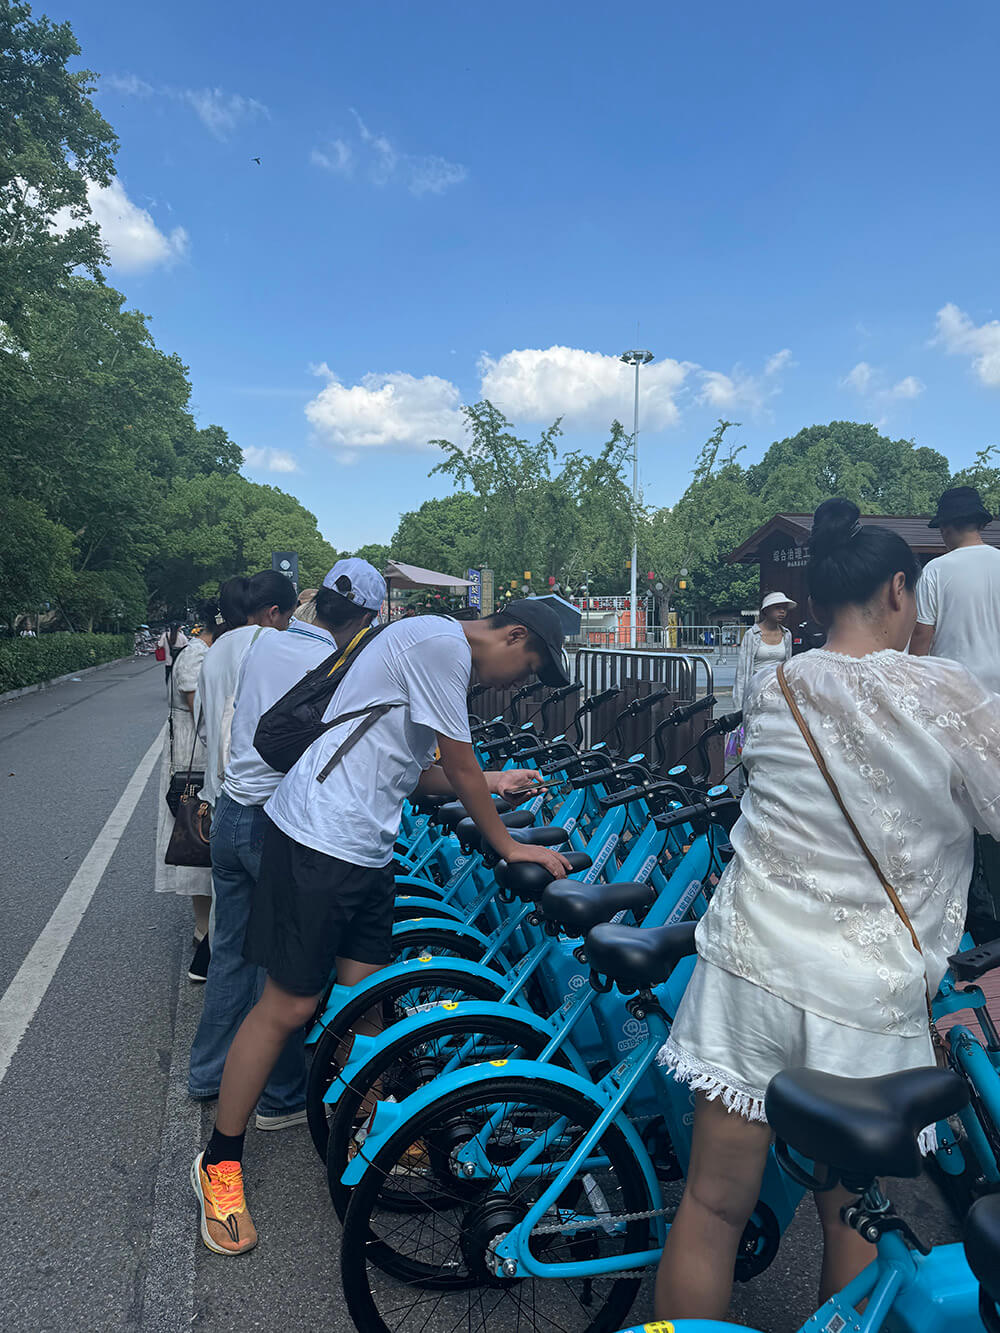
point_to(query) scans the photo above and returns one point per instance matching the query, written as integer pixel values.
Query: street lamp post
(637, 358)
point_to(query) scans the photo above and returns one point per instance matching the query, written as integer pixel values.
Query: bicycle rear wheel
(401, 1066)
(433, 1265)
(392, 999)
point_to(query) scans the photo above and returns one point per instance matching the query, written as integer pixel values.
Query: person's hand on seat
(557, 866)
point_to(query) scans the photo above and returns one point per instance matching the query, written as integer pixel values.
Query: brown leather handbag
(189, 839)
(940, 1050)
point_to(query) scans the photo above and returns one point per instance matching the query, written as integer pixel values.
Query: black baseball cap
(544, 624)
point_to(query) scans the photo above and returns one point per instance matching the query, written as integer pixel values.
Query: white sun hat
(777, 599)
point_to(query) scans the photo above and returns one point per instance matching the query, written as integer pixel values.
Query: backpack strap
(370, 715)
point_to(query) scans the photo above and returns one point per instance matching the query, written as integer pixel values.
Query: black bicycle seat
(576, 907)
(862, 1127)
(520, 823)
(982, 1243)
(637, 958)
(971, 964)
(528, 880)
(450, 814)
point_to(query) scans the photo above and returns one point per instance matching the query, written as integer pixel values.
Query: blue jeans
(234, 985)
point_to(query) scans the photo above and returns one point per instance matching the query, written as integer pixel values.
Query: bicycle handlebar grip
(687, 711)
(563, 692)
(525, 692)
(727, 722)
(592, 779)
(644, 704)
(596, 700)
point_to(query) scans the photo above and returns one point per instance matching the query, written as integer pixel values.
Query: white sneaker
(281, 1121)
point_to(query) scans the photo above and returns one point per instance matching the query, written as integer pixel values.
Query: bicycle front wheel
(433, 1264)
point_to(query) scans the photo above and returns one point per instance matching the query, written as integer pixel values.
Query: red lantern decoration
(552, 580)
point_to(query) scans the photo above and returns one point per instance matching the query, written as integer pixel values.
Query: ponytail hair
(233, 597)
(849, 562)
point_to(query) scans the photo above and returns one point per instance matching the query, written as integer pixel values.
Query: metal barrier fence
(634, 674)
(719, 642)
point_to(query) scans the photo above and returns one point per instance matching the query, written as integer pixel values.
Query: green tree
(375, 553)
(35, 556)
(54, 142)
(535, 513)
(444, 534)
(219, 525)
(984, 474)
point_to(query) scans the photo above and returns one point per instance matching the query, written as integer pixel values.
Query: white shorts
(730, 1037)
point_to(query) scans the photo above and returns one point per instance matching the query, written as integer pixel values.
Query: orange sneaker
(226, 1227)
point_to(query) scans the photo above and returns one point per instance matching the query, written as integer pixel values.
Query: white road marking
(21, 999)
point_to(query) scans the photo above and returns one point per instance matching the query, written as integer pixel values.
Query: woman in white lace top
(802, 959)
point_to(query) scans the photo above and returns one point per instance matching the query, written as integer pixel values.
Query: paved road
(97, 1224)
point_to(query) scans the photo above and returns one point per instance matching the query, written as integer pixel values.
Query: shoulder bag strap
(891, 893)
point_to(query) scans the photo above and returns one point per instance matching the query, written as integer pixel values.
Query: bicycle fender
(454, 927)
(426, 1018)
(414, 881)
(390, 1115)
(341, 995)
(442, 911)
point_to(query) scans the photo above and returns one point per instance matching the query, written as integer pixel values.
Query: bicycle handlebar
(716, 811)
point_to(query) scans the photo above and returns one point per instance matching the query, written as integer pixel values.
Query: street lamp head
(636, 357)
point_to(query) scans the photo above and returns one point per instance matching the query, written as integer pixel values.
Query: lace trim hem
(739, 1097)
(715, 1083)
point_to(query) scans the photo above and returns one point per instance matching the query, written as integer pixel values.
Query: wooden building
(780, 548)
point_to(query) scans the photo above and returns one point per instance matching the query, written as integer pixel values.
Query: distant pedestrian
(184, 752)
(350, 599)
(171, 641)
(958, 616)
(958, 596)
(768, 643)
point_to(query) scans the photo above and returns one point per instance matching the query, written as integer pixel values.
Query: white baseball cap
(359, 582)
(777, 599)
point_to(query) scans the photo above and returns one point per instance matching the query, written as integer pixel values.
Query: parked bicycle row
(561, 992)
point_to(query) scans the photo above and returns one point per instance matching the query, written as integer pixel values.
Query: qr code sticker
(835, 1325)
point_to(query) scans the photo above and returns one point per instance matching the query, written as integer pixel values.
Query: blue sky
(795, 204)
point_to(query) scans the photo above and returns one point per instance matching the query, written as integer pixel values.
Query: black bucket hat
(960, 504)
(544, 624)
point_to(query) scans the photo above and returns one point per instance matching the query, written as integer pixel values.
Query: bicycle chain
(554, 1228)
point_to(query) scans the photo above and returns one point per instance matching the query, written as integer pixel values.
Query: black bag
(189, 839)
(180, 779)
(290, 726)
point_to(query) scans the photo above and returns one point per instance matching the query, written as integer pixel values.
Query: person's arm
(506, 783)
(468, 781)
(923, 637)
(742, 670)
(188, 696)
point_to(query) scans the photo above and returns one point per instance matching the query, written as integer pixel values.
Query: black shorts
(310, 908)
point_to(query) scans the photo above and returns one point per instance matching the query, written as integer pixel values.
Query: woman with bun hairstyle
(182, 751)
(802, 959)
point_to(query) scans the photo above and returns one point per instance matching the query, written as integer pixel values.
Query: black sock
(223, 1148)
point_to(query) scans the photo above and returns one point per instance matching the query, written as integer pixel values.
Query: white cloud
(222, 113)
(134, 242)
(860, 378)
(128, 84)
(958, 335)
(870, 381)
(908, 387)
(585, 388)
(269, 460)
(739, 389)
(394, 411)
(338, 157)
(382, 163)
(779, 361)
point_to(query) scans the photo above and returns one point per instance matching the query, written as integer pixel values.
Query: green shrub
(31, 661)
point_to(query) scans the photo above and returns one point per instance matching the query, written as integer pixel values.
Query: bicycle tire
(432, 936)
(326, 1065)
(513, 1033)
(367, 1259)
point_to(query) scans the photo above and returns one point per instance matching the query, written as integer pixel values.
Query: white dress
(802, 958)
(186, 880)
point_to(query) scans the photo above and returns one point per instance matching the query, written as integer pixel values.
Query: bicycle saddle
(528, 880)
(576, 907)
(450, 814)
(520, 824)
(982, 1243)
(862, 1127)
(636, 958)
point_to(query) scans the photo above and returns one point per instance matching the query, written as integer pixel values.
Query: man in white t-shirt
(958, 616)
(352, 594)
(325, 893)
(958, 595)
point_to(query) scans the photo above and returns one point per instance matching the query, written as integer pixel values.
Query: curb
(71, 675)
